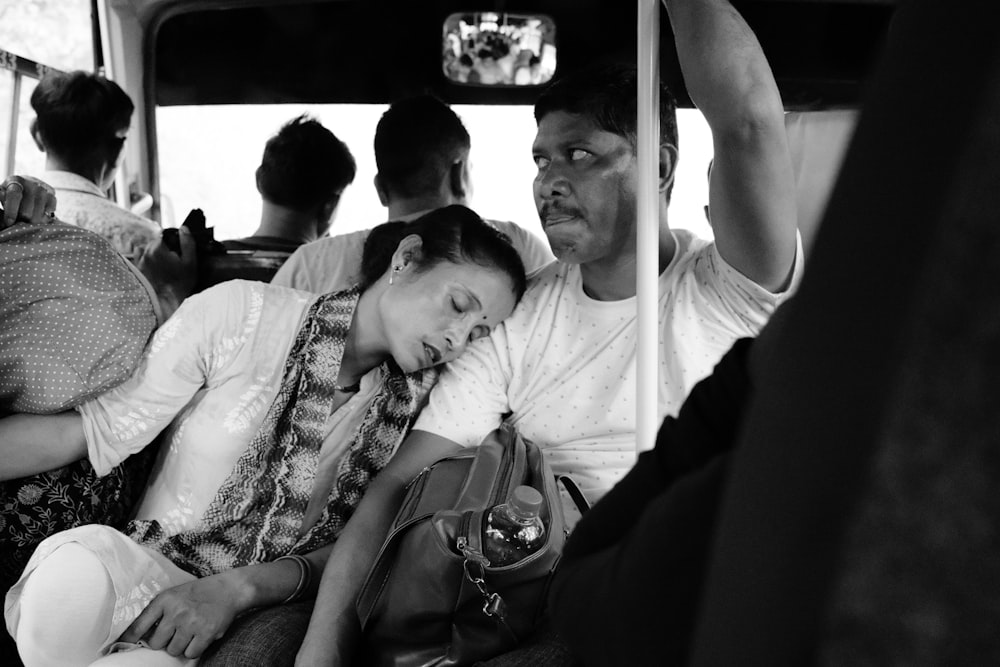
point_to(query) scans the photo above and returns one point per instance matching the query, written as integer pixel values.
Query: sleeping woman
(278, 408)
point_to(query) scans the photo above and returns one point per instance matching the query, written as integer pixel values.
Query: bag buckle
(474, 566)
(494, 605)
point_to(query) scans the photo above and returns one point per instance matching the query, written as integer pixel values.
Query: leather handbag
(432, 597)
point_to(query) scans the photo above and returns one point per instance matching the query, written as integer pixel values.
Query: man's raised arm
(752, 187)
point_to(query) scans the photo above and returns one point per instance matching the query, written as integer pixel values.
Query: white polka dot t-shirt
(564, 364)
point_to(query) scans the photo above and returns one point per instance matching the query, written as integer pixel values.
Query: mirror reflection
(499, 49)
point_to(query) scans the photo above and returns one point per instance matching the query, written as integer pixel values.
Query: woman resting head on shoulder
(277, 408)
(433, 285)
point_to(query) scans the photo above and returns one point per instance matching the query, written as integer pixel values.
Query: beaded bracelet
(305, 576)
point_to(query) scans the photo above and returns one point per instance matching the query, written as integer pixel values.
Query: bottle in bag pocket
(514, 529)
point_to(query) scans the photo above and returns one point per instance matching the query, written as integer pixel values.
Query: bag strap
(574, 492)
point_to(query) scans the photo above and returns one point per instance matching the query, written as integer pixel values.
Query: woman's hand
(26, 199)
(186, 619)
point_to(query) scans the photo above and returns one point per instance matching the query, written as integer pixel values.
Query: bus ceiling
(375, 51)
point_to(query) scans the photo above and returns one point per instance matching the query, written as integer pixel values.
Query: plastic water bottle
(514, 529)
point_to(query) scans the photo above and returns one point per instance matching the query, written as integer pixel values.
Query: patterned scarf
(257, 513)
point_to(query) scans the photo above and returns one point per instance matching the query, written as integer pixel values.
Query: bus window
(208, 155)
(38, 35)
(54, 32)
(18, 78)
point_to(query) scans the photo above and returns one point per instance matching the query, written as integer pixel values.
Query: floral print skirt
(32, 508)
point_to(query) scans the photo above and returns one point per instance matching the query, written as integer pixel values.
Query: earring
(396, 269)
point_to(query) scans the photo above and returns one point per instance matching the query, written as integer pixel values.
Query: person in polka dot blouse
(562, 368)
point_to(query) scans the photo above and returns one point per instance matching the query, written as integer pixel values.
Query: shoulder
(690, 245)
(249, 300)
(690, 254)
(324, 265)
(701, 258)
(333, 244)
(511, 229)
(533, 249)
(548, 288)
(123, 228)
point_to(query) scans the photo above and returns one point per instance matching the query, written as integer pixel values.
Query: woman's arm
(30, 444)
(186, 619)
(333, 628)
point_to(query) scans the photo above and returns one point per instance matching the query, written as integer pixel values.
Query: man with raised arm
(563, 365)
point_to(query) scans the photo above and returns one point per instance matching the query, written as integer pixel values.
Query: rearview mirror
(499, 49)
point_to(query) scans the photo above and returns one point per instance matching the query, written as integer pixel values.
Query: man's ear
(459, 182)
(37, 136)
(326, 216)
(257, 178)
(330, 206)
(383, 194)
(668, 166)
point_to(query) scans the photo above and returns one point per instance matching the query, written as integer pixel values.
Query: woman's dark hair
(80, 116)
(450, 234)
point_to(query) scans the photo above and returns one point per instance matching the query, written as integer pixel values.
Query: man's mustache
(552, 209)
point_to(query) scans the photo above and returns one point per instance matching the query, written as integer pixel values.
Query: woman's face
(432, 315)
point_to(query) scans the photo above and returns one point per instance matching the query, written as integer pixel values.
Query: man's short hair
(304, 165)
(81, 115)
(607, 93)
(416, 142)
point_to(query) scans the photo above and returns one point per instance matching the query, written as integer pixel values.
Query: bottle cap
(526, 500)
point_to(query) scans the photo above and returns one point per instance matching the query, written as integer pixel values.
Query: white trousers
(68, 609)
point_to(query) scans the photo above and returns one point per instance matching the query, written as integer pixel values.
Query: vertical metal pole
(96, 37)
(15, 105)
(647, 229)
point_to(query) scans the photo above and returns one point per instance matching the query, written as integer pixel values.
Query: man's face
(585, 189)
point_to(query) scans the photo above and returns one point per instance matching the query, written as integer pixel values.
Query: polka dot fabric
(74, 318)
(564, 365)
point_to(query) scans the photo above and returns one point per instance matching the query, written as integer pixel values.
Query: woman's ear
(407, 252)
(668, 166)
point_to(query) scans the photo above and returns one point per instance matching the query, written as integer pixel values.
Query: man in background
(422, 156)
(82, 121)
(302, 175)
